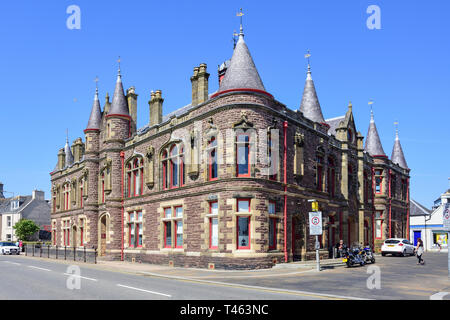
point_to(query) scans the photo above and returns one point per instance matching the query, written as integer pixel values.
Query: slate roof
(416, 209)
(310, 106)
(241, 73)
(334, 124)
(397, 156)
(5, 206)
(96, 114)
(119, 103)
(373, 142)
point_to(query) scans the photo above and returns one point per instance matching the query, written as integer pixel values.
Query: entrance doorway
(103, 230)
(417, 235)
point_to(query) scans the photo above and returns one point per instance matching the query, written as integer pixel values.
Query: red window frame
(246, 144)
(319, 177)
(380, 218)
(274, 176)
(212, 148)
(103, 187)
(273, 245)
(82, 233)
(164, 162)
(239, 247)
(176, 234)
(166, 223)
(210, 225)
(172, 165)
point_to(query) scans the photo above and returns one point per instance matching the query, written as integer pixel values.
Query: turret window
(378, 181)
(243, 155)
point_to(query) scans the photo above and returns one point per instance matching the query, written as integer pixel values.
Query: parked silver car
(397, 247)
(9, 248)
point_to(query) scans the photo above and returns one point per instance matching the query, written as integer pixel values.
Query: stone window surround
(173, 219)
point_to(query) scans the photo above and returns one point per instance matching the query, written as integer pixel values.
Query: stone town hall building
(192, 188)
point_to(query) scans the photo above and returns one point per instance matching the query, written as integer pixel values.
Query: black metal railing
(88, 255)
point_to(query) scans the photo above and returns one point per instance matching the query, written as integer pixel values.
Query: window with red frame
(331, 177)
(243, 224)
(212, 159)
(81, 232)
(66, 230)
(272, 226)
(135, 173)
(379, 225)
(66, 191)
(179, 227)
(213, 225)
(173, 167)
(135, 229)
(378, 181)
(319, 173)
(243, 168)
(103, 186)
(272, 160)
(54, 233)
(81, 192)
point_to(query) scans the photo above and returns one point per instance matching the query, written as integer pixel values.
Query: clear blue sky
(47, 71)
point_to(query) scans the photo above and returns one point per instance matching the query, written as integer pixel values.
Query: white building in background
(33, 207)
(428, 224)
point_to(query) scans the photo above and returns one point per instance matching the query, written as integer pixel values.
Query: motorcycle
(352, 257)
(368, 254)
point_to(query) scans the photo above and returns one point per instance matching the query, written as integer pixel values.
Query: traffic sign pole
(446, 222)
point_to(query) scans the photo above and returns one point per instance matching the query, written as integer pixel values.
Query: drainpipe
(373, 210)
(122, 156)
(407, 210)
(285, 125)
(390, 205)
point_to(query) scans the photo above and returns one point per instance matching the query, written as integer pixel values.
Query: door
(417, 235)
(103, 236)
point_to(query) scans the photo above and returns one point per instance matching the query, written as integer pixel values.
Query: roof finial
(67, 135)
(118, 72)
(396, 130)
(371, 110)
(241, 29)
(96, 86)
(307, 55)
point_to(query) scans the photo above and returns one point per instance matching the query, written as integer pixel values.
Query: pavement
(390, 278)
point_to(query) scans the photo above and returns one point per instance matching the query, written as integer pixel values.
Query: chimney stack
(1, 191)
(78, 150)
(155, 103)
(61, 159)
(132, 107)
(194, 81)
(202, 84)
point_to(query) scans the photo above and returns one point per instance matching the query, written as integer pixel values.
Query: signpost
(446, 223)
(315, 229)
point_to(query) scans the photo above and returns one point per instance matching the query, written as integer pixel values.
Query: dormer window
(14, 205)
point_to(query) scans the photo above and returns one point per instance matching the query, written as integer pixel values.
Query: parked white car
(9, 248)
(397, 246)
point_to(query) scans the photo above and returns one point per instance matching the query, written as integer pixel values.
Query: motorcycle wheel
(373, 260)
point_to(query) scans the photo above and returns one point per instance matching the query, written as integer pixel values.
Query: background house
(33, 207)
(428, 224)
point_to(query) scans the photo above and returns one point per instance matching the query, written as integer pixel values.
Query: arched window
(173, 170)
(66, 192)
(212, 159)
(273, 165)
(331, 177)
(135, 174)
(81, 192)
(319, 173)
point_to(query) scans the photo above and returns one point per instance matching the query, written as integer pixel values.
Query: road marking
(39, 268)
(148, 291)
(17, 264)
(267, 289)
(74, 275)
(439, 296)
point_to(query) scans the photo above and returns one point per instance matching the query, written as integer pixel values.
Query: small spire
(308, 75)
(397, 156)
(241, 29)
(373, 142)
(396, 130)
(118, 71)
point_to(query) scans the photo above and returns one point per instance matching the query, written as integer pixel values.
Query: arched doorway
(103, 226)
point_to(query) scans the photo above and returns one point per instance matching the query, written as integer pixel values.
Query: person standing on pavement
(419, 250)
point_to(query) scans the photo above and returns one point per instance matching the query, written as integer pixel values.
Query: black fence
(82, 254)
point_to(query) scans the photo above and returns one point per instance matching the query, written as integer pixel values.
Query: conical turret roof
(119, 103)
(397, 156)
(310, 106)
(241, 73)
(68, 153)
(373, 142)
(96, 114)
